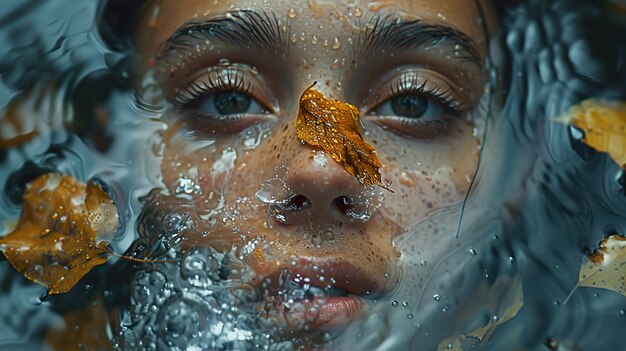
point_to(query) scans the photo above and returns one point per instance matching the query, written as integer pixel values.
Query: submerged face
(232, 73)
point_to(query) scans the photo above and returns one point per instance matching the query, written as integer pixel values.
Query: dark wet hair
(117, 19)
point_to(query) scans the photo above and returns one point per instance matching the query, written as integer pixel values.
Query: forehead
(161, 18)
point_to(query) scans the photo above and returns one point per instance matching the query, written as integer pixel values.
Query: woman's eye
(229, 103)
(411, 106)
(415, 115)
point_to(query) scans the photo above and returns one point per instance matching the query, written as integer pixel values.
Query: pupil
(232, 102)
(412, 106)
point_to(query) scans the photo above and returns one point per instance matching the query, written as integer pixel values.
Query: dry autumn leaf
(606, 267)
(63, 231)
(334, 126)
(604, 125)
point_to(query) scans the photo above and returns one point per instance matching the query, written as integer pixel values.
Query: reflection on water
(540, 201)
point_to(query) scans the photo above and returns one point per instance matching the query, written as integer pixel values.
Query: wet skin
(233, 71)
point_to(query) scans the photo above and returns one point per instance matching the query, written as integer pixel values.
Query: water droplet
(409, 316)
(274, 191)
(472, 252)
(405, 304)
(291, 13)
(394, 303)
(338, 62)
(224, 62)
(336, 44)
(186, 185)
(437, 297)
(155, 21)
(357, 12)
(423, 263)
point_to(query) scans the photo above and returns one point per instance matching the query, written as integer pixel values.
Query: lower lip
(318, 313)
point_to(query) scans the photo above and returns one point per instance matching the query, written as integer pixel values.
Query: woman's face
(233, 72)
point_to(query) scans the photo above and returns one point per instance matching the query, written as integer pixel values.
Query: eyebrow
(389, 34)
(243, 28)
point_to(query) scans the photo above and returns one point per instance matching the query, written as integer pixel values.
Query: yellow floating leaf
(334, 126)
(61, 234)
(604, 124)
(474, 339)
(605, 268)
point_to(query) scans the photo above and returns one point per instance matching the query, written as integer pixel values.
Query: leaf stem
(135, 259)
(578, 285)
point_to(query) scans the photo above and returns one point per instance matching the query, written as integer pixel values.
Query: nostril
(297, 202)
(343, 203)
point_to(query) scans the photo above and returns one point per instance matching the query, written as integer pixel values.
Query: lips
(313, 293)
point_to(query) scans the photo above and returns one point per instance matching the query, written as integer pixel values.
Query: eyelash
(191, 95)
(414, 85)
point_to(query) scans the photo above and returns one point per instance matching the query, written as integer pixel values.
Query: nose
(322, 191)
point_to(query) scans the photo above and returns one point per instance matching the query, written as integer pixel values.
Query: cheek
(426, 175)
(208, 171)
(417, 195)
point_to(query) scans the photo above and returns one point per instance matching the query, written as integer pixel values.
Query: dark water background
(549, 198)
